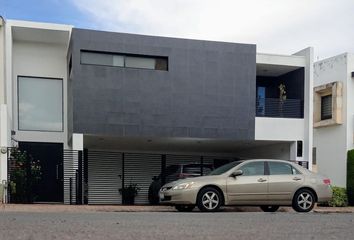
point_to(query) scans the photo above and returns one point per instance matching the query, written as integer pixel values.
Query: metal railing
(274, 107)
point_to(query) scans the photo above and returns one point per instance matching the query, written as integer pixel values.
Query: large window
(124, 60)
(40, 104)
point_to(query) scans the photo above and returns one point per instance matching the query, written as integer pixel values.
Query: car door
(249, 188)
(284, 180)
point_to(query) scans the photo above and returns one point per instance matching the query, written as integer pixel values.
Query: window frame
(18, 104)
(124, 55)
(336, 90)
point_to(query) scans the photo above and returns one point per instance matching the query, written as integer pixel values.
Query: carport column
(293, 151)
(78, 141)
(78, 145)
(3, 152)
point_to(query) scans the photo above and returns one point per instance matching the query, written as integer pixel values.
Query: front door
(284, 180)
(249, 188)
(50, 157)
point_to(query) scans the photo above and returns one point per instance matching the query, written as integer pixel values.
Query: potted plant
(282, 97)
(129, 192)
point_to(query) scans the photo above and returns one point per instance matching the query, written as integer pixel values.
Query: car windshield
(225, 168)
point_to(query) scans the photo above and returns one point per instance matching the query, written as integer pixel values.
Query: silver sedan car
(257, 182)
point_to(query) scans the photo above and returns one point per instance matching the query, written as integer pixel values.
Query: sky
(276, 26)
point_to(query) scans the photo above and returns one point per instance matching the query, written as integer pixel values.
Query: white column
(3, 142)
(308, 105)
(78, 141)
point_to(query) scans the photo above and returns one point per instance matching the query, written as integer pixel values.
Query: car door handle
(296, 178)
(262, 180)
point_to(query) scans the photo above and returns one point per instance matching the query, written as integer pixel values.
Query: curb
(333, 211)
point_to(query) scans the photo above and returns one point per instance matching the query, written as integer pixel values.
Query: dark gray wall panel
(208, 92)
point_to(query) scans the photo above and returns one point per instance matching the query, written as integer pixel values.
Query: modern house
(103, 110)
(333, 116)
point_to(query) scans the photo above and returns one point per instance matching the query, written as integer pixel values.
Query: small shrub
(350, 177)
(339, 198)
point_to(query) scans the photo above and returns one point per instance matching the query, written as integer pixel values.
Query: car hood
(201, 179)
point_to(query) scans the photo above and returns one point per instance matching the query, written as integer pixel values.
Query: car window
(253, 169)
(192, 169)
(195, 169)
(172, 169)
(280, 168)
(224, 168)
(295, 171)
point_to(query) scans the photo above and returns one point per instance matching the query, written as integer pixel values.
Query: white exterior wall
(287, 129)
(331, 141)
(272, 151)
(39, 60)
(350, 102)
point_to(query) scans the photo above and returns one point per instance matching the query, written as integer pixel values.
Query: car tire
(304, 200)
(269, 208)
(209, 200)
(184, 208)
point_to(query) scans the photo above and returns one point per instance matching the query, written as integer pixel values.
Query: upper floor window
(124, 60)
(326, 107)
(328, 99)
(40, 104)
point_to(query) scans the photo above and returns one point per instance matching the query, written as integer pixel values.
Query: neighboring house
(333, 116)
(3, 120)
(102, 110)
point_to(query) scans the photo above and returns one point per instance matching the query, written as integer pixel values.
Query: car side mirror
(237, 173)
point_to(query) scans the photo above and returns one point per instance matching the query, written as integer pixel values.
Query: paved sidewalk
(140, 208)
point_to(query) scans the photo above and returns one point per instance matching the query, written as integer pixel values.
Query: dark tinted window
(279, 168)
(326, 107)
(253, 169)
(195, 169)
(124, 60)
(172, 169)
(224, 168)
(192, 169)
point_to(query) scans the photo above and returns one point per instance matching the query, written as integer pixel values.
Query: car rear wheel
(304, 200)
(209, 200)
(269, 208)
(184, 208)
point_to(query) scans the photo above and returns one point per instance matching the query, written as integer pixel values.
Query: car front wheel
(209, 200)
(304, 200)
(269, 208)
(184, 208)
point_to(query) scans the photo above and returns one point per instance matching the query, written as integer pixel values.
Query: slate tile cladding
(208, 91)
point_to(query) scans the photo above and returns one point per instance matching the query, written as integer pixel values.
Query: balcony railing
(274, 107)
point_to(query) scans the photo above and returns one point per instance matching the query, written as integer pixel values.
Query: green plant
(282, 92)
(129, 192)
(25, 172)
(339, 198)
(350, 177)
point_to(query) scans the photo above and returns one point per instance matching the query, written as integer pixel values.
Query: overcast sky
(276, 26)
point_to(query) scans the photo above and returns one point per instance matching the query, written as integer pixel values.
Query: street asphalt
(175, 225)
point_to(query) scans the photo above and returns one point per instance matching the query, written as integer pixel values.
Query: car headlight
(181, 186)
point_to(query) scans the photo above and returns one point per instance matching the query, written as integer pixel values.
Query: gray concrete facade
(208, 91)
